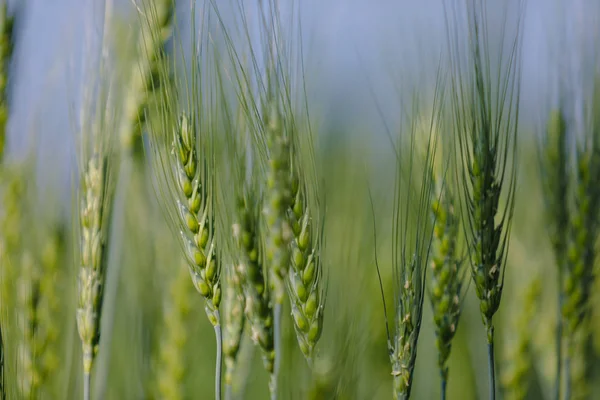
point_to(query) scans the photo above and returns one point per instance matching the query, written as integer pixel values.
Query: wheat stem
(567, 361)
(443, 389)
(559, 335)
(277, 331)
(2, 387)
(219, 363)
(86, 385)
(491, 363)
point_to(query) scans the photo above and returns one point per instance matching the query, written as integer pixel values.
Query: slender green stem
(567, 362)
(219, 366)
(277, 333)
(559, 325)
(86, 385)
(443, 393)
(492, 369)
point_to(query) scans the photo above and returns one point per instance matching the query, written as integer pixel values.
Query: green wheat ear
(306, 282)
(485, 106)
(412, 235)
(446, 289)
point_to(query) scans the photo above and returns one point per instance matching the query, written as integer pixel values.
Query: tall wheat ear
(485, 103)
(183, 150)
(95, 128)
(412, 238)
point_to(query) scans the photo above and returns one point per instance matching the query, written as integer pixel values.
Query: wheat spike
(305, 283)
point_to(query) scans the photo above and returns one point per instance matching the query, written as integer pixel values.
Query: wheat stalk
(2, 385)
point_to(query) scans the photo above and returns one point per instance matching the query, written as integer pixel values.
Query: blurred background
(363, 59)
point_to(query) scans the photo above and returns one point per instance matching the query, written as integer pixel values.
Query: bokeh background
(363, 58)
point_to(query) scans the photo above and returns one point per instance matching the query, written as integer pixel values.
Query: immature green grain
(171, 363)
(555, 184)
(519, 357)
(486, 116)
(95, 203)
(233, 304)
(6, 47)
(447, 276)
(197, 218)
(157, 21)
(305, 284)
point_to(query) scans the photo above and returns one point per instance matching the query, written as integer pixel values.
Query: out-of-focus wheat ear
(279, 200)
(258, 299)
(95, 197)
(11, 222)
(584, 229)
(234, 305)
(171, 359)
(156, 28)
(51, 259)
(27, 313)
(279, 232)
(555, 177)
(519, 357)
(6, 48)
(446, 290)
